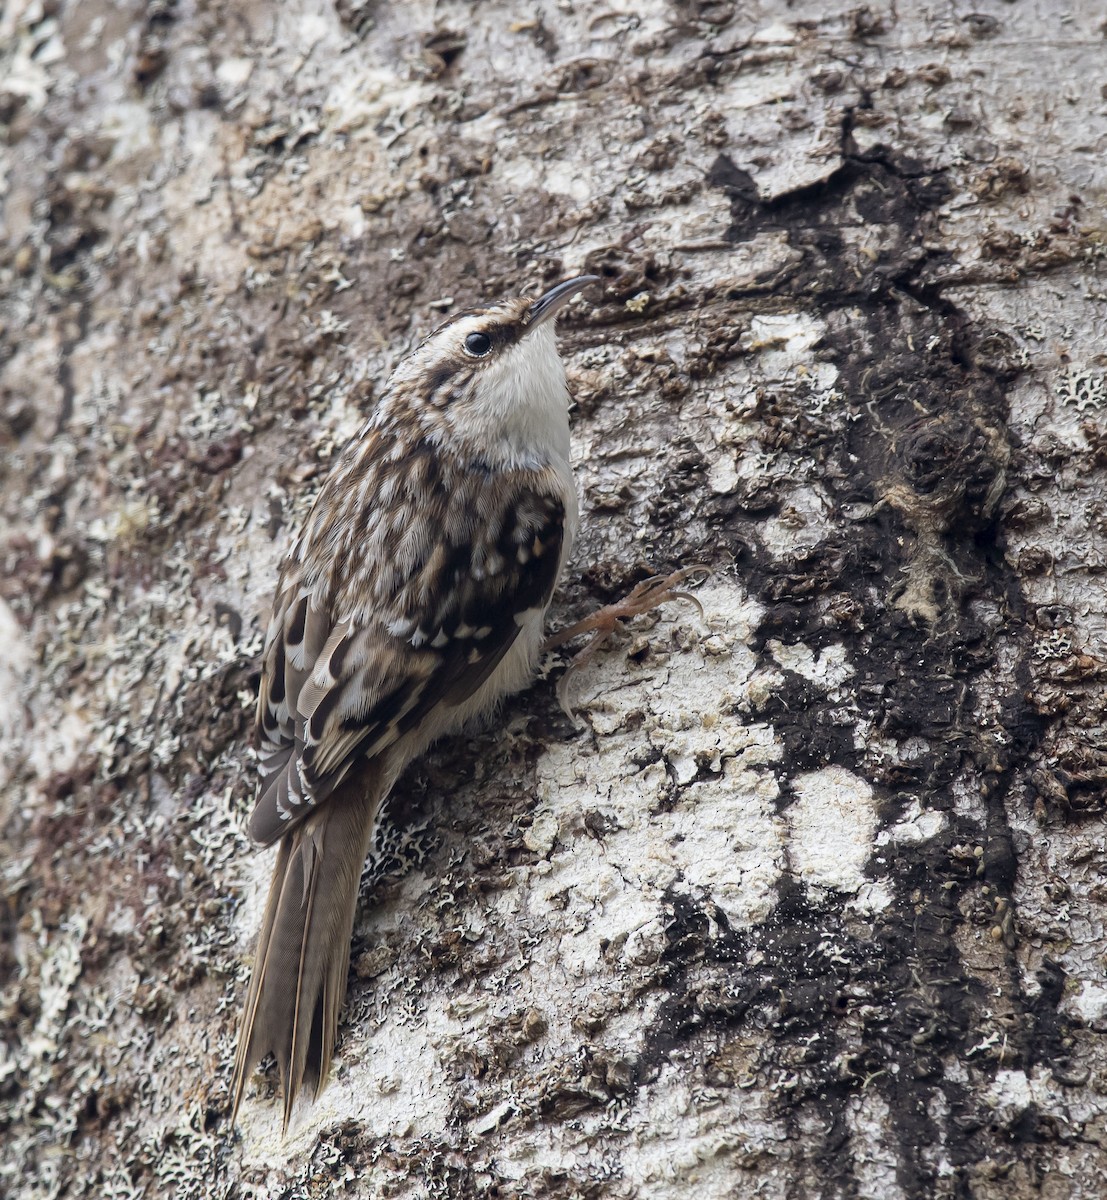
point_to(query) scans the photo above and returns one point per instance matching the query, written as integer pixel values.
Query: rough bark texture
(812, 904)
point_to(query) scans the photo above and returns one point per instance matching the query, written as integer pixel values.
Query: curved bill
(557, 297)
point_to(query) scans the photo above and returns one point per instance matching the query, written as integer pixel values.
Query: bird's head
(491, 379)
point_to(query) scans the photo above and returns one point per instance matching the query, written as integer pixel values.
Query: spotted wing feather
(343, 679)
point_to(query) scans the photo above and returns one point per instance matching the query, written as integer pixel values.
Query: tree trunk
(810, 904)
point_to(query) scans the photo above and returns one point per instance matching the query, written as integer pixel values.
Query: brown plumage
(413, 600)
(303, 954)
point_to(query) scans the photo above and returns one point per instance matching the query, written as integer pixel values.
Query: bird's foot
(645, 597)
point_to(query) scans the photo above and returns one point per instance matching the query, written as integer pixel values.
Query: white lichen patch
(779, 362)
(58, 743)
(873, 896)
(832, 823)
(731, 840)
(1087, 1003)
(58, 970)
(29, 51)
(809, 152)
(784, 344)
(674, 721)
(916, 825)
(803, 522)
(1011, 1094)
(1082, 389)
(14, 665)
(722, 475)
(877, 1172)
(676, 1139)
(828, 668)
(690, 1141)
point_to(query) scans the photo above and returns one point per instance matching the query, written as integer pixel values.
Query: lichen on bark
(810, 905)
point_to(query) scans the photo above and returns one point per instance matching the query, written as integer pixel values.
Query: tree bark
(810, 904)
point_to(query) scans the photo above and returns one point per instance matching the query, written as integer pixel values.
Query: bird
(411, 602)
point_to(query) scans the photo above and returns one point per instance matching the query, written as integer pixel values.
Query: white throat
(522, 404)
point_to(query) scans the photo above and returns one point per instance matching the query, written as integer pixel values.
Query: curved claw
(643, 598)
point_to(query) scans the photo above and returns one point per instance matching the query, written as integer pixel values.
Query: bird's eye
(477, 345)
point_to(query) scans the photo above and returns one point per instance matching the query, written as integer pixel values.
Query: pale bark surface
(812, 904)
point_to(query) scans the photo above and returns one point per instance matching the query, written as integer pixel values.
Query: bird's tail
(303, 954)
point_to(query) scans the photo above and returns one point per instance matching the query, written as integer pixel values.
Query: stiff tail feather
(299, 978)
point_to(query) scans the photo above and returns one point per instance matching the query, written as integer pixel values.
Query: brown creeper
(412, 600)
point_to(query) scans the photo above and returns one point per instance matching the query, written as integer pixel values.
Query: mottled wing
(341, 682)
(298, 630)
